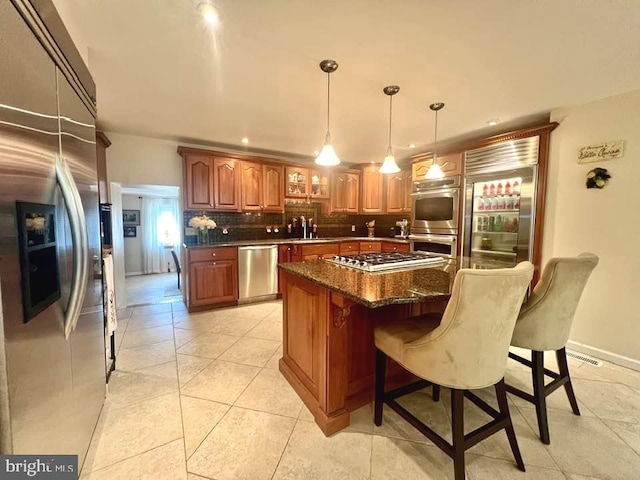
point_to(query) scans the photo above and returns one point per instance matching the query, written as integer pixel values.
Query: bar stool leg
(457, 430)
(537, 372)
(381, 366)
(561, 356)
(503, 405)
(435, 392)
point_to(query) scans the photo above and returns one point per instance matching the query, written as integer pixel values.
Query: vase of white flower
(203, 223)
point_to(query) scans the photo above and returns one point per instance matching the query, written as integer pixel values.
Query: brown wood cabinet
(370, 247)
(344, 192)
(372, 190)
(399, 187)
(213, 277)
(198, 175)
(451, 165)
(309, 183)
(262, 187)
(349, 248)
(226, 184)
(316, 251)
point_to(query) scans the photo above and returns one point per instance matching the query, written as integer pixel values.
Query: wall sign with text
(601, 151)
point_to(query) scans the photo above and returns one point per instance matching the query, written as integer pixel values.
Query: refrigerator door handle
(80, 241)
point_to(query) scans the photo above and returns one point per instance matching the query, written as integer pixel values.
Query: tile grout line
(184, 439)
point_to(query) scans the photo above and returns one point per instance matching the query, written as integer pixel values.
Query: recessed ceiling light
(493, 121)
(209, 13)
(245, 140)
(412, 145)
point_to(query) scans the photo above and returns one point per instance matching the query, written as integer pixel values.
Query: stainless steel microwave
(435, 210)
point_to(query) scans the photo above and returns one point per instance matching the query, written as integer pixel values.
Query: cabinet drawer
(370, 247)
(320, 249)
(349, 248)
(395, 247)
(209, 254)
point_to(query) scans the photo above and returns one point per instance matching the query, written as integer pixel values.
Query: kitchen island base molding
(329, 352)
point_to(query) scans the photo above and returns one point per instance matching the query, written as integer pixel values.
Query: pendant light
(390, 165)
(435, 172)
(327, 156)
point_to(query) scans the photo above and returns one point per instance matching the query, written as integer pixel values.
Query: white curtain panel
(160, 227)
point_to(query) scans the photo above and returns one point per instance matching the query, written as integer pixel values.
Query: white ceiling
(161, 71)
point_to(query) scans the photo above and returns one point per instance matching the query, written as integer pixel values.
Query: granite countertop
(301, 241)
(376, 289)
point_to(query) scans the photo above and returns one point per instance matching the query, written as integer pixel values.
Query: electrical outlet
(353, 228)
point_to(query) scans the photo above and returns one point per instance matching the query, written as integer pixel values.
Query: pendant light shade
(327, 156)
(435, 172)
(389, 165)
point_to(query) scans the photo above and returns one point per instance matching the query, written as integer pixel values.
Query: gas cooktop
(377, 262)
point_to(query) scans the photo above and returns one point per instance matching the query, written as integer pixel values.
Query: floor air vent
(584, 358)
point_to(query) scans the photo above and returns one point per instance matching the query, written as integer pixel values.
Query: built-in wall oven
(445, 246)
(435, 206)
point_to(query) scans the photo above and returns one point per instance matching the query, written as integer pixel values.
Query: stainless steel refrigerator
(499, 204)
(52, 345)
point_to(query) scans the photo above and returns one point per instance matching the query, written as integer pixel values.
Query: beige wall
(605, 222)
(133, 160)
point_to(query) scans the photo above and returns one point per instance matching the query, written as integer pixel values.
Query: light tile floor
(200, 397)
(152, 288)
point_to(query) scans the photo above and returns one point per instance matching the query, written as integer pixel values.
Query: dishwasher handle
(257, 247)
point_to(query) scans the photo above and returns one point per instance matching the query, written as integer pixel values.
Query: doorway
(150, 224)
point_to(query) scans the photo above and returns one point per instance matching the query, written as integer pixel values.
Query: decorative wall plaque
(601, 151)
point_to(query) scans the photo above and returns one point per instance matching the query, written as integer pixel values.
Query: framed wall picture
(130, 232)
(131, 218)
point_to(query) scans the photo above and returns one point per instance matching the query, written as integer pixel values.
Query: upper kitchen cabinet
(198, 177)
(226, 184)
(344, 192)
(451, 165)
(399, 187)
(262, 187)
(297, 182)
(306, 183)
(372, 190)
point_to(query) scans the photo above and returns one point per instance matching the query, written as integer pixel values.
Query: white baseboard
(132, 274)
(621, 360)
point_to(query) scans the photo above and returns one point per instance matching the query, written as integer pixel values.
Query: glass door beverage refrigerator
(500, 192)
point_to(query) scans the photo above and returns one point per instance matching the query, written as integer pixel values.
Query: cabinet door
(284, 256)
(451, 164)
(372, 190)
(226, 185)
(213, 282)
(319, 183)
(251, 197)
(408, 199)
(297, 182)
(395, 247)
(419, 169)
(273, 188)
(396, 193)
(339, 192)
(199, 182)
(351, 194)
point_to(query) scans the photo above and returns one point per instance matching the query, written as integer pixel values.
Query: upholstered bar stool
(544, 324)
(466, 351)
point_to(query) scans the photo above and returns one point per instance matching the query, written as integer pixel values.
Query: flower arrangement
(597, 178)
(203, 222)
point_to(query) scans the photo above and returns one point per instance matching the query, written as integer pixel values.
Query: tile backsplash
(253, 226)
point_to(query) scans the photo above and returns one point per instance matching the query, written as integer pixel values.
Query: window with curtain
(160, 232)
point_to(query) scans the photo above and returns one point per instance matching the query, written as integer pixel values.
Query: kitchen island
(329, 315)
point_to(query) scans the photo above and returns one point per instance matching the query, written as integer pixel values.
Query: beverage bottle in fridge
(494, 203)
(516, 187)
(509, 203)
(516, 202)
(499, 188)
(492, 189)
(492, 223)
(501, 202)
(507, 188)
(485, 190)
(480, 204)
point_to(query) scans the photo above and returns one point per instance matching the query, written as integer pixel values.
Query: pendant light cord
(328, 99)
(390, 110)
(435, 141)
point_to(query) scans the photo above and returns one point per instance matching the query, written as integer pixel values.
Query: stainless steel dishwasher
(257, 272)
